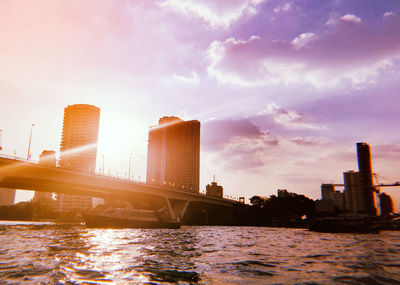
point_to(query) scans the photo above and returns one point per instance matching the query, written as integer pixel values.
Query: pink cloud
(303, 40)
(243, 145)
(388, 14)
(216, 14)
(351, 18)
(341, 52)
(288, 118)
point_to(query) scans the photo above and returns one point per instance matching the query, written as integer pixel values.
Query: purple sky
(283, 89)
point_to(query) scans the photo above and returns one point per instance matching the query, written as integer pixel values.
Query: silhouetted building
(214, 190)
(283, 193)
(352, 192)
(78, 149)
(7, 196)
(327, 191)
(366, 182)
(326, 206)
(46, 158)
(386, 204)
(338, 200)
(173, 156)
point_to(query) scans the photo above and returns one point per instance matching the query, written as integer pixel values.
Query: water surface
(34, 253)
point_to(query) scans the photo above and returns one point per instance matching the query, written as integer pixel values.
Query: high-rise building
(46, 158)
(7, 196)
(366, 182)
(78, 149)
(173, 156)
(327, 191)
(352, 192)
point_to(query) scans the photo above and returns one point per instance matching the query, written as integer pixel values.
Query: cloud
(309, 141)
(238, 143)
(303, 39)
(283, 8)
(288, 118)
(389, 14)
(218, 133)
(351, 18)
(341, 55)
(386, 150)
(217, 52)
(241, 144)
(215, 14)
(193, 79)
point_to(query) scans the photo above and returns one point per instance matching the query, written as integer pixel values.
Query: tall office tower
(173, 156)
(366, 183)
(78, 149)
(46, 158)
(7, 196)
(352, 192)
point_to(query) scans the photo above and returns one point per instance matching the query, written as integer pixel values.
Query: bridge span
(19, 174)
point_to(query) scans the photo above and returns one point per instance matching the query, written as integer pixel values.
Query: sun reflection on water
(206, 255)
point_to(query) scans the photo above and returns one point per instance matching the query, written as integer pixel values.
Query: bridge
(20, 174)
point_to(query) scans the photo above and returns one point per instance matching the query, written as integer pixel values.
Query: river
(32, 253)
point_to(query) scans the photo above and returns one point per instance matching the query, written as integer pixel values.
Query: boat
(129, 218)
(343, 225)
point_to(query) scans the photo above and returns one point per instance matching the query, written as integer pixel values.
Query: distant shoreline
(39, 221)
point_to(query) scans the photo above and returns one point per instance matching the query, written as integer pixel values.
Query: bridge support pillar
(177, 208)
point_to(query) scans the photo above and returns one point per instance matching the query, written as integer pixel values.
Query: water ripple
(53, 254)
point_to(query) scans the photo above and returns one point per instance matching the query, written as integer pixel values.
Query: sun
(115, 138)
(122, 146)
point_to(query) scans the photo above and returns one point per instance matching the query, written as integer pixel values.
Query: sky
(283, 89)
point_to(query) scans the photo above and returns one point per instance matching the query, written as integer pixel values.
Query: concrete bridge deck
(19, 174)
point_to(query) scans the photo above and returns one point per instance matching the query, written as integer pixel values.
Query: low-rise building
(214, 190)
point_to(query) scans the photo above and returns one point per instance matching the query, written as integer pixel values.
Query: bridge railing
(18, 158)
(117, 178)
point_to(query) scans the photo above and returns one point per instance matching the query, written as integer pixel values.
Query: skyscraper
(79, 137)
(366, 182)
(78, 149)
(352, 192)
(173, 156)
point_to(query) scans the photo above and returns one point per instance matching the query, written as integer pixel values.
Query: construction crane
(378, 185)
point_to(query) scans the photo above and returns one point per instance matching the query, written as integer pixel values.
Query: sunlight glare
(116, 137)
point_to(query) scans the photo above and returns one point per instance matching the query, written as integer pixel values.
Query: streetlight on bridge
(129, 172)
(28, 156)
(1, 133)
(102, 172)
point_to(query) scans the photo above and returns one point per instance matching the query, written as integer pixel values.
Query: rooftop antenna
(213, 177)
